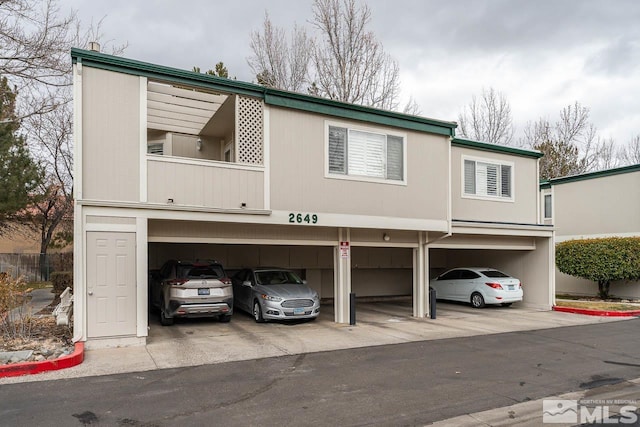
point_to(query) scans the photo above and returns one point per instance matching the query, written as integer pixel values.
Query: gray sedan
(274, 293)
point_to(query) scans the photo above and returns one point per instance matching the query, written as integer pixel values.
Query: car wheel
(224, 318)
(477, 301)
(506, 304)
(164, 320)
(257, 312)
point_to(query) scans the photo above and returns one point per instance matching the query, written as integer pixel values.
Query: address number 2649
(300, 218)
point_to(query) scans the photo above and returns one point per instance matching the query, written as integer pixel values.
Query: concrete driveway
(205, 341)
(200, 341)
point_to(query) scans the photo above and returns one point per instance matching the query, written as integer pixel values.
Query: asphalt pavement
(414, 383)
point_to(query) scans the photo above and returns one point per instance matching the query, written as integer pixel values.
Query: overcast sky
(542, 54)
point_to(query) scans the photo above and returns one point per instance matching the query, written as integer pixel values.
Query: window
(488, 179)
(450, 275)
(359, 153)
(547, 206)
(155, 148)
(468, 274)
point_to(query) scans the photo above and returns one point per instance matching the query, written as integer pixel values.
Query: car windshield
(277, 277)
(494, 273)
(209, 271)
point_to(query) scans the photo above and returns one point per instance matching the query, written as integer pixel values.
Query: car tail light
(226, 280)
(178, 282)
(494, 285)
(520, 285)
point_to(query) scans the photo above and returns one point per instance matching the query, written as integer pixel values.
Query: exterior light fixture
(386, 237)
(199, 144)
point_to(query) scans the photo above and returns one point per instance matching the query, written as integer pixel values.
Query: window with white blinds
(484, 178)
(359, 153)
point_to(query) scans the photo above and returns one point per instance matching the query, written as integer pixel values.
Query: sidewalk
(40, 298)
(532, 413)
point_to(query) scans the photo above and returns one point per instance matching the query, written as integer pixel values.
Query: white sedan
(479, 286)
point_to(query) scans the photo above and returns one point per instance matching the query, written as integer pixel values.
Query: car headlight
(270, 297)
(316, 297)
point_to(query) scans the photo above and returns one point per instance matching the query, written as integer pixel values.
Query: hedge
(600, 260)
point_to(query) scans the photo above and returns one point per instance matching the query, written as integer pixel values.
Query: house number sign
(300, 218)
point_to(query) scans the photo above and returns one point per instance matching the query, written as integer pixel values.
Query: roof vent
(94, 46)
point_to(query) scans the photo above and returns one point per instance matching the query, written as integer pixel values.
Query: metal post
(352, 308)
(432, 303)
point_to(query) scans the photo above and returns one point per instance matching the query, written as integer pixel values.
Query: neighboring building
(176, 164)
(592, 205)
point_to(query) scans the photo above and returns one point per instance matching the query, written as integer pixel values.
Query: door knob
(90, 292)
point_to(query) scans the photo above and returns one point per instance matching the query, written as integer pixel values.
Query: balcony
(202, 183)
(204, 149)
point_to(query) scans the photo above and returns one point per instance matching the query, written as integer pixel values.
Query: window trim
(363, 178)
(497, 162)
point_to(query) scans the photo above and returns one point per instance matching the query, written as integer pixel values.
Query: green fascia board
(485, 146)
(545, 184)
(591, 175)
(162, 73)
(357, 112)
(270, 96)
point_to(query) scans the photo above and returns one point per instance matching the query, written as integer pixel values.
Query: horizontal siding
(204, 185)
(524, 208)
(605, 205)
(298, 182)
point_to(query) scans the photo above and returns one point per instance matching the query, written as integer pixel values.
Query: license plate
(203, 291)
(299, 310)
(512, 287)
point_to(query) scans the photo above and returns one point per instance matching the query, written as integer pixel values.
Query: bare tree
(35, 40)
(412, 107)
(487, 118)
(630, 153)
(350, 63)
(277, 62)
(34, 52)
(570, 145)
(608, 156)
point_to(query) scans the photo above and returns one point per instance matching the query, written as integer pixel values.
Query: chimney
(94, 46)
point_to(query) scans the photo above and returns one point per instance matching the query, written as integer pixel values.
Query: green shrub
(601, 260)
(61, 280)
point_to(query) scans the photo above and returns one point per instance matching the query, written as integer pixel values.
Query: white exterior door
(111, 284)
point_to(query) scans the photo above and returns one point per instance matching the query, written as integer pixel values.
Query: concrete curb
(28, 368)
(589, 312)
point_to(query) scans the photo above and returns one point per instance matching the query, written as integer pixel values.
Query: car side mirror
(246, 283)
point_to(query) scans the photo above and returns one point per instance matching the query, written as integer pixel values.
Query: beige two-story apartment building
(176, 164)
(593, 205)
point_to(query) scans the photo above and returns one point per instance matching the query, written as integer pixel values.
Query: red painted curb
(28, 368)
(590, 312)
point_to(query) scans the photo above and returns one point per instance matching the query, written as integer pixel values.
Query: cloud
(543, 55)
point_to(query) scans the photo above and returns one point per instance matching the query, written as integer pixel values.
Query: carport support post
(420, 277)
(342, 277)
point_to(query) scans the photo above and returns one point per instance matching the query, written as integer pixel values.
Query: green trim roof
(590, 175)
(485, 146)
(270, 96)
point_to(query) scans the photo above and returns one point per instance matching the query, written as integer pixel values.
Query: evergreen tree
(19, 173)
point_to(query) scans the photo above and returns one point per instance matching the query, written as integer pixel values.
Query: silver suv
(191, 289)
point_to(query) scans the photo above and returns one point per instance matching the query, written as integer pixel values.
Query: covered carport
(526, 253)
(375, 263)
